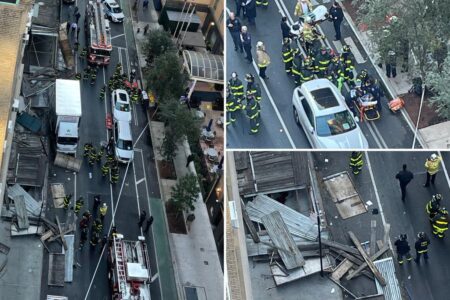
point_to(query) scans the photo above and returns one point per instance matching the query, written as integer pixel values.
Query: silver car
(320, 109)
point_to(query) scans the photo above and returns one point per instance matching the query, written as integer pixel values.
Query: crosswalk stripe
(358, 56)
(338, 46)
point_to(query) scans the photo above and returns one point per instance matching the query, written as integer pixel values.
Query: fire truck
(129, 269)
(98, 34)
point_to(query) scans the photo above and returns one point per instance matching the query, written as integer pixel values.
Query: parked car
(68, 1)
(113, 11)
(320, 109)
(123, 147)
(121, 107)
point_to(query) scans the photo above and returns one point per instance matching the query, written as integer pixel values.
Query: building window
(9, 1)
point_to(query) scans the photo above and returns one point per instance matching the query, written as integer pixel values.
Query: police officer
(234, 26)
(421, 246)
(236, 87)
(246, 40)
(306, 71)
(252, 113)
(253, 88)
(78, 205)
(391, 64)
(288, 55)
(231, 106)
(403, 249)
(433, 206)
(322, 60)
(356, 162)
(440, 223)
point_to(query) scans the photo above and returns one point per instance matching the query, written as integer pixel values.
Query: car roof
(323, 96)
(112, 3)
(124, 129)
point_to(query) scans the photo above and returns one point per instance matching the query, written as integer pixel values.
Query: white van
(123, 142)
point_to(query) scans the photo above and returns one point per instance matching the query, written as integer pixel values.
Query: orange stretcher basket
(396, 104)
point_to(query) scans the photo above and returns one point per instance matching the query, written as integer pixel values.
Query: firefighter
(253, 88)
(66, 201)
(110, 83)
(100, 154)
(421, 246)
(432, 166)
(335, 72)
(263, 3)
(297, 64)
(84, 222)
(87, 214)
(94, 239)
(110, 158)
(363, 76)
(433, 206)
(105, 169)
(92, 156)
(348, 62)
(310, 37)
(236, 87)
(83, 52)
(403, 249)
(134, 96)
(93, 75)
(231, 106)
(97, 202)
(252, 113)
(101, 97)
(440, 223)
(306, 73)
(78, 205)
(288, 55)
(322, 60)
(97, 226)
(78, 76)
(86, 73)
(356, 162)
(87, 149)
(114, 173)
(103, 209)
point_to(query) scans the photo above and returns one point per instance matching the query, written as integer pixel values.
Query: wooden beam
(373, 237)
(369, 262)
(61, 234)
(387, 228)
(342, 247)
(249, 223)
(364, 265)
(341, 269)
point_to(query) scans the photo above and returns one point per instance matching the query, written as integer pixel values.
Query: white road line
(137, 194)
(117, 36)
(358, 56)
(140, 180)
(380, 208)
(445, 169)
(373, 134)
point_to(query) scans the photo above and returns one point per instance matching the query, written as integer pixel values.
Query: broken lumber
(249, 223)
(342, 247)
(361, 267)
(341, 269)
(61, 234)
(369, 262)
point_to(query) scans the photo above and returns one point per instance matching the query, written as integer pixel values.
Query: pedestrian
(146, 28)
(336, 15)
(403, 249)
(77, 16)
(263, 59)
(356, 162)
(148, 224)
(391, 64)
(433, 206)
(421, 246)
(432, 165)
(73, 27)
(234, 26)
(404, 177)
(240, 6)
(103, 210)
(246, 40)
(142, 217)
(440, 223)
(75, 10)
(250, 11)
(285, 28)
(302, 8)
(145, 4)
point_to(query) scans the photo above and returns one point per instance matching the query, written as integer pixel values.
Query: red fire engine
(129, 269)
(98, 34)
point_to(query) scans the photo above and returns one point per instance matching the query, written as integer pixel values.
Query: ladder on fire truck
(100, 30)
(120, 265)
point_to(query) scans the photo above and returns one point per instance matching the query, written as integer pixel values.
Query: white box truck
(68, 115)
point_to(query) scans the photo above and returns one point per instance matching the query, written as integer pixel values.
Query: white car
(121, 107)
(320, 109)
(123, 142)
(113, 11)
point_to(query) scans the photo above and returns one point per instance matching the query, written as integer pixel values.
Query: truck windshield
(100, 52)
(125, 145)
(67, 140)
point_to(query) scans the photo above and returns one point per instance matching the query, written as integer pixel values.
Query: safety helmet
(234, 75)
(249, 77)
(259, 44)
(308, 19)
(369, 81)
(323, 48)
(421, 235)
(358, 83)
(364, 72)
(437, 197)
(104, 205)
(335, 58)
(286, 40)
(346, 48)
(403, 237)
(443, 210)
(308, 61)
(433, 156)
(391, 52)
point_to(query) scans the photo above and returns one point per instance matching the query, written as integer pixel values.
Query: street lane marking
(380, 208)
(117, 36)
(445, 169)
(140, 180)
(355, 51)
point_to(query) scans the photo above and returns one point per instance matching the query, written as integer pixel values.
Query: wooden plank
(68, 261)
(56, 269)
(342, 247)
(343, 268)
(369, 262)
(69, 230)
(278, 232)
(46, 235)
(275, 256)
(364, 265)
(21, 211)
(373, 237)
(387, 228)
(61, 234)
(249, 223)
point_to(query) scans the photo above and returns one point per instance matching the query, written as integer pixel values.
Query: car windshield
(335, 124)
(116, 10)
(67, 140)
(122, 107)
(125, 145)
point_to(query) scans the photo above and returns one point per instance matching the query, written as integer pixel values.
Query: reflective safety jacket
(421, 245)
(432, 166)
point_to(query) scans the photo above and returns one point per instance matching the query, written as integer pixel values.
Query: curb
(383, 79)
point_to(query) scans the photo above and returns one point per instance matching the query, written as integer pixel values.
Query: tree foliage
(168, 147)
(185, 193)
(159, 41)
(419, 28)
(439, 85)
(167, 77)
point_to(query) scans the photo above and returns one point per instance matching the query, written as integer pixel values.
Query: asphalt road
(377, 184)
(137, 184)
(278, 128)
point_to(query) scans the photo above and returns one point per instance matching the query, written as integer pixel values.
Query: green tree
(439, 85)
(168, 147)
(167, 77)
(159, 41)
(185, 193)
